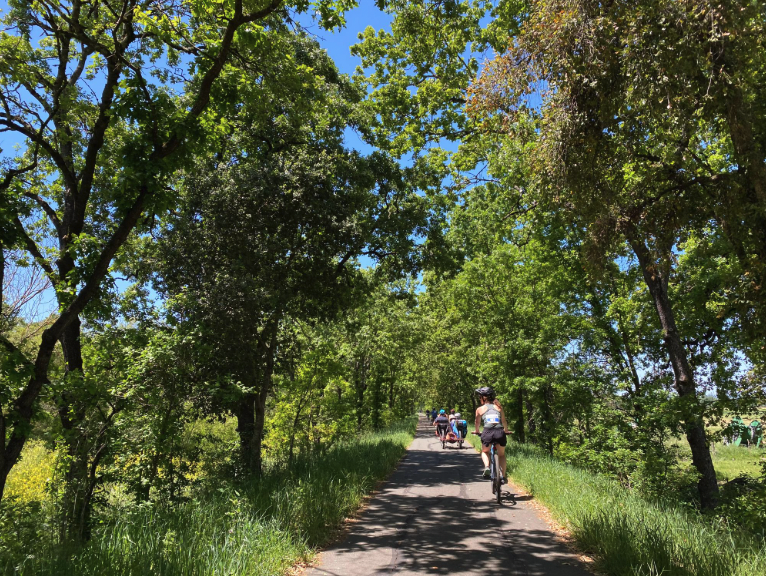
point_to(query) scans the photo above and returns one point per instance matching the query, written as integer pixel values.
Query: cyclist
(433, 415)
(442, 423)
(491, 414)
(452, 421)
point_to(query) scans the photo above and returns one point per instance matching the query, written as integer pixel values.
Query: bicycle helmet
(487, 391)
(442, 412)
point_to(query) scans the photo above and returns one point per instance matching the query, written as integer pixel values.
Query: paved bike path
(435, 516)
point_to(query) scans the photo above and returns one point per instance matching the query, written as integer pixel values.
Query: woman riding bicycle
(491, 414)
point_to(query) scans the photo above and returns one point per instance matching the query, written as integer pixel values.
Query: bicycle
(442, 432)
(494, 471)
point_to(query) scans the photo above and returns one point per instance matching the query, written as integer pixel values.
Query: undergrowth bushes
(259, 528)
(627, 534)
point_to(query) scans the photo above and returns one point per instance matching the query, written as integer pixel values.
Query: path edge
(301, 567)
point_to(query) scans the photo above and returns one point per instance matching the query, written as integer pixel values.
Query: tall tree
(271, 225)
(646, 135)
(109, 98)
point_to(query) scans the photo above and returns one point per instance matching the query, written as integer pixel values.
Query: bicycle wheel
(497, 483)
(492, 469)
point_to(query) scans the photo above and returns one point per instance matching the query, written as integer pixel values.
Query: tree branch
(13, 173)
(104, 117)
(46, 208)
(102, 266)
(11, 348)
(32, 248)
(206, 85)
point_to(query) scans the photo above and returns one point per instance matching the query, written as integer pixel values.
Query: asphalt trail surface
(435, 515)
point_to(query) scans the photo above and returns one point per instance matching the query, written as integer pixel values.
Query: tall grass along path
(435, 516)
(259, 529)
(628, 535)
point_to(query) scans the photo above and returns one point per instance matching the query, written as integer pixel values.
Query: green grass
(729, 461)
(733, 461)
(626, 534)
(261, 529)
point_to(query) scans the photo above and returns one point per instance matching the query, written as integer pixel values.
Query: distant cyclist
(491, 414)
(442, 423)
(433, 415)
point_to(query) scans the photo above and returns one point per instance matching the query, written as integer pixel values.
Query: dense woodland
(204, 282)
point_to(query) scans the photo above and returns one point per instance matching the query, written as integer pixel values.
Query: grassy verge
(733, 461)
(261, 529)
(729, 461)
(626, 534)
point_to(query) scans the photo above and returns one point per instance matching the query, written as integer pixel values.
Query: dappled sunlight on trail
(435, 515)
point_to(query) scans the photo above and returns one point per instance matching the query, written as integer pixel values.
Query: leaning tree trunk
(683, 375)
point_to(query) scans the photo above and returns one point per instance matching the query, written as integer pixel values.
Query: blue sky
(338, 43)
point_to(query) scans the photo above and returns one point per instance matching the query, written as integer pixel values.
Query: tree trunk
(245, 413)
(72, 413)
(260, 422)
(375, 404)
(23, 409)
(531, 425)
(548, 417)
(682, 372)
(360, 384)
(295, 426)
(519, 426)
(251, 408)
(391, 382)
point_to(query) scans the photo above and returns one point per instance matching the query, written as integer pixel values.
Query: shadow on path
(436, 515)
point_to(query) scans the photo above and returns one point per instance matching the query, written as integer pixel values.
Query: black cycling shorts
(493, 436)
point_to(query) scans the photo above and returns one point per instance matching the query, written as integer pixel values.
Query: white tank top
(491, 417)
